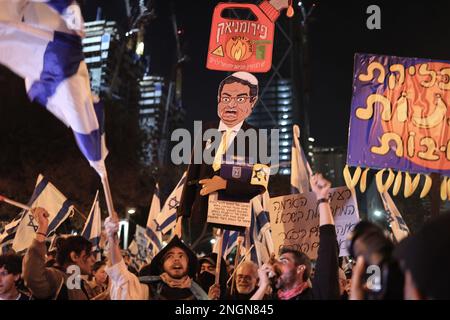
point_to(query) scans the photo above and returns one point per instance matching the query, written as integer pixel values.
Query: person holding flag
(57, 282)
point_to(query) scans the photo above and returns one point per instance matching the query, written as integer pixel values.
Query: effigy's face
(235, 103)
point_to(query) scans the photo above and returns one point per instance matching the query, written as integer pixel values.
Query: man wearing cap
(168, 277)
(237, 95)
(206, 276)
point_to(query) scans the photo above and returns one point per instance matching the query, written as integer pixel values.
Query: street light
(377, 213)
(131, 211)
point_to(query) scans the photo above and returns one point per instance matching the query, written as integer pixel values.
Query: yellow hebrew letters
(370, 73)
(367, 113)
(384, 148)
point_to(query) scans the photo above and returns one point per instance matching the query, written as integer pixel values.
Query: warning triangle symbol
(218, 51)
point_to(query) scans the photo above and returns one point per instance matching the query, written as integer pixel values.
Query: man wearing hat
(168, 277)
(237, 95)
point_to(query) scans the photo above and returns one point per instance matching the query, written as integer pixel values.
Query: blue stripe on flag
(62, 59)
(151, 234)
(9, 237)
(262, 219)
(90, 144)
(226, 236)
(168, 221)
(59, 5)
(37, 191)
(60, 215)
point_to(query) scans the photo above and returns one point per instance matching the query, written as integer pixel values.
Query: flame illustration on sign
(239, 48)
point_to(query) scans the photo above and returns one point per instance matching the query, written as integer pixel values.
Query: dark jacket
(195, 206)
(47, 283)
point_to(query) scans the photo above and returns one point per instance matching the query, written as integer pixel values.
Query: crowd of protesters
(416, 268)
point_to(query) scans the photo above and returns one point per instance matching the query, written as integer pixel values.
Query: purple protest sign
(399, 116)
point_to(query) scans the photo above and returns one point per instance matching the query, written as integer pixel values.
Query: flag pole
(14, 203)
(240, 263)
(236, 261)
(108, 197)
(219, 255)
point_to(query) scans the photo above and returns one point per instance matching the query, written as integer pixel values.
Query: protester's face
(208, 267)
(101, 276)
(84, 261)
(288, 270)
(246, 279)
(7, 281)
(176, 263)
(235, 103)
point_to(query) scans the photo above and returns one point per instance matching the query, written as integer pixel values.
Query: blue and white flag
(46, 196)
(168, 217)
(40, 41)
(300, 169)
(9, 232)
(229, 242)
(258, 235)
(152, 227)
(93, 227)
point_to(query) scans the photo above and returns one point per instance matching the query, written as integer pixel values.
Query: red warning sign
(240, 45)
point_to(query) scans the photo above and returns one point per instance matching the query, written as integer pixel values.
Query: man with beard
(293, 268)
(168, 277)
(246, 281)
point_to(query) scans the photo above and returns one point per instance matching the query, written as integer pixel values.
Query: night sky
(337, 31)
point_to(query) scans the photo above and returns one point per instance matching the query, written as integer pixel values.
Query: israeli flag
(9, 232)
(230, 242)
(260, 230)
(41, 42)
(47, 196)
(152, 227)
(167, 219)
(93, 227)
(299, 166)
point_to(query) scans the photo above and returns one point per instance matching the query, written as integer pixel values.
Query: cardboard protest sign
(228, 213)
(399, 116)
(295, 220)
(240, 45)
